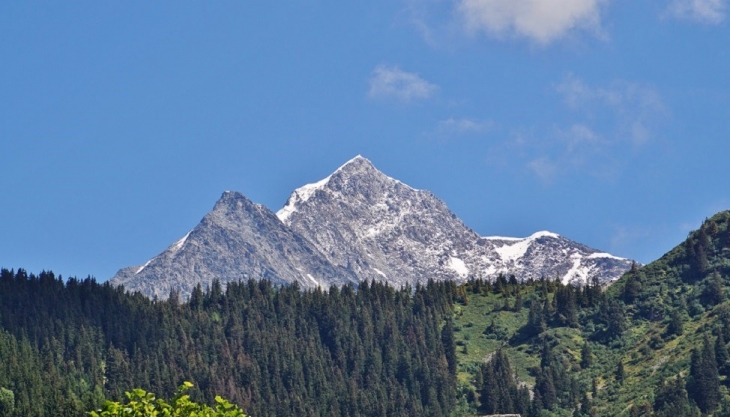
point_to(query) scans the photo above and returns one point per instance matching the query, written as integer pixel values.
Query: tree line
(67, 346)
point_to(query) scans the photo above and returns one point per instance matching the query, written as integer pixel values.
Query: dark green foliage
(141, 403)
(500, 393)
(376, 351)
(273, 351)
(620, 373)
(586, 356)
(611, 314)
(447, 339)
(675, 327)
(714, 293)
(671, 400)
(518, 303)
(566, 308)
(632, 286)
(7, 402)
(721, 354)
(536, 321)
(703, 385)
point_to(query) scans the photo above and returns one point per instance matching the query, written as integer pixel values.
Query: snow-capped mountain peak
(356, 170)
(375, 225)
(356, 224)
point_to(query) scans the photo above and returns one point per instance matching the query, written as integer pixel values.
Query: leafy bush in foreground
(144, 404)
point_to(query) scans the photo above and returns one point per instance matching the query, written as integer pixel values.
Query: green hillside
(652, 344)
(640, 333)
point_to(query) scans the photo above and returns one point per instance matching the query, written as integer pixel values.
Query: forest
(66, 346)
(652, 344)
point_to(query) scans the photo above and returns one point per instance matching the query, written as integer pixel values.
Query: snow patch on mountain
(458, 266)
(356, 224)
(180, 243)
(515, 251)
(382, 229)
(604, 255)
(141, 268)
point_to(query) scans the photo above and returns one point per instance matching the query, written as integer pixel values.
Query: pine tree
(721, 354)
(676, 326)
(703, 384)
(632, 286)
(620, 373)
(518, 303)
(536, 321)
(671, 400)
(714, 292)
(449, 346)
(586, 356)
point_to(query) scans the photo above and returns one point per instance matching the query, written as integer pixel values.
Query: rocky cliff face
(237, 240)
(382, 229)
(357, 224)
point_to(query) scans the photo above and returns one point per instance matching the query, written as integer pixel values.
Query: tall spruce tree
(703, 384)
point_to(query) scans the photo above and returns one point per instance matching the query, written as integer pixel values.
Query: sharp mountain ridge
(357, 224)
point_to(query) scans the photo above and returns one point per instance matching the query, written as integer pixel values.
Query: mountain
(237, 240)
(357, 224)
(382, 229)
(652, 344)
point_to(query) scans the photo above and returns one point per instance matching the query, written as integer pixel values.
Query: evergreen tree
(676, 326)
(518, 303)
(721, 354)
(714, 294)
(620, 374)
(449, 345)
(703, 384)
(671, 400)
(586, 356)
(632, 286)
(499, 392)
(536, 320)
(566, 308)
(7, 402)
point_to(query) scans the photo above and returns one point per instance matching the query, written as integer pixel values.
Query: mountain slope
(661, 314)
(357, 224)
(383, 229)
(235, 241)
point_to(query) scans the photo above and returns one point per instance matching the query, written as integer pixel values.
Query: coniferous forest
(65, 347)
(652, 344)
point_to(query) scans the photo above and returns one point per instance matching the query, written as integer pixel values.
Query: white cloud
(463, 126)
(703, 11)
(632, 107)
(604, 129)
(544, 168)
(392, 82)
(580, 136)
(542, 21)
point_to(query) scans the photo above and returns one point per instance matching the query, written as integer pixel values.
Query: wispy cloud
(633, 107)
(625, 237)
(538, 20)
(703, 11)
(544, 168)
(392, 82)
(548, 155)
(463, 126)
(603, 128)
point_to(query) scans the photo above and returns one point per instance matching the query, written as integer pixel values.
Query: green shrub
(144, 404)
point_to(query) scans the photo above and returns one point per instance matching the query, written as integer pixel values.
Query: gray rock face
(236, 240)
(357, 224)
(382, 229)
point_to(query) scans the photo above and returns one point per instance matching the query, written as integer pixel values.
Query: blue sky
(121, 123)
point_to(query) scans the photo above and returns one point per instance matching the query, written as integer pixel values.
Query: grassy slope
(648, 355)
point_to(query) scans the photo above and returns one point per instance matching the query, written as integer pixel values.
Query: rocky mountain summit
(382, 229)
(356, 224)
(237, 240)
